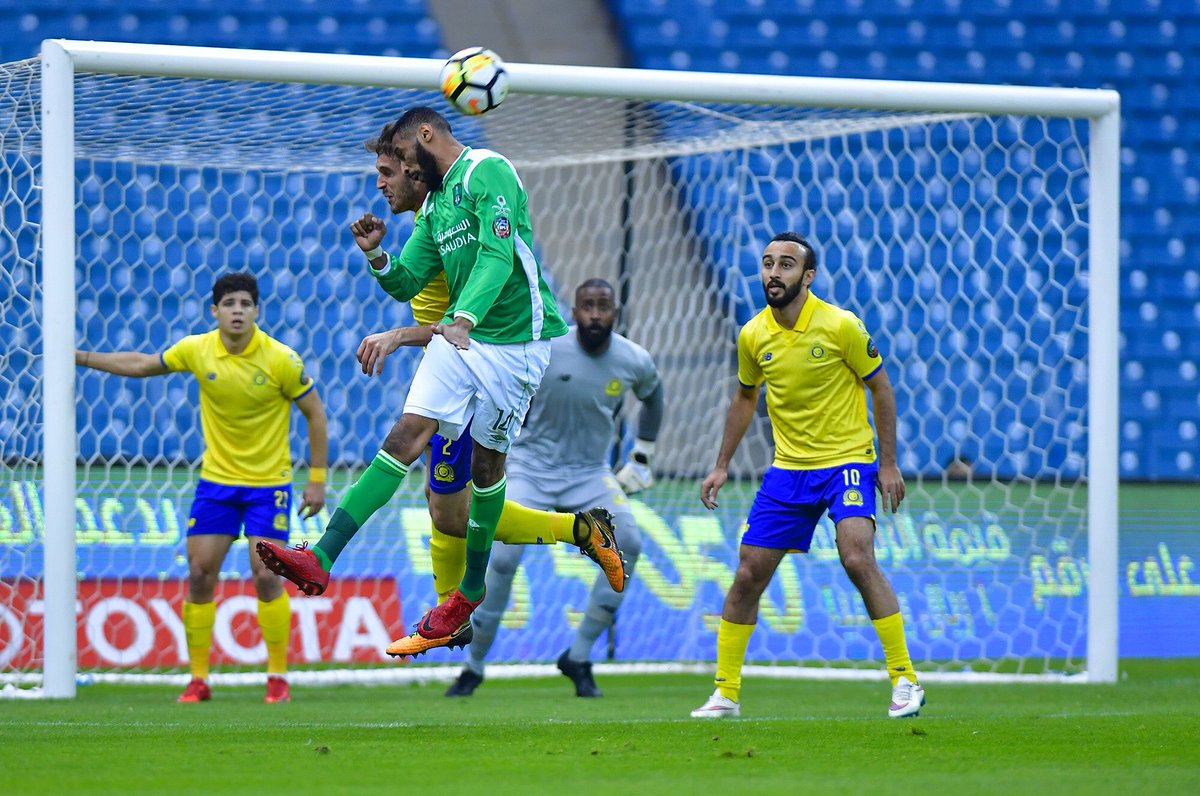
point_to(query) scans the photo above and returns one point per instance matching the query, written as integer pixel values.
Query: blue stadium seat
(1029, 42)
(1140, 48)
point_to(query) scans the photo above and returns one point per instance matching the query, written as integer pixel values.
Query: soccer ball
(474, 80)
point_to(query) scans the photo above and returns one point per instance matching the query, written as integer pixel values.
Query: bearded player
(818, 362)
(482, 366)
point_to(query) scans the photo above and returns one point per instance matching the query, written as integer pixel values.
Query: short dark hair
(414, 117)
(810, 262)
(595, 281)
(232, 283)
(382, 143)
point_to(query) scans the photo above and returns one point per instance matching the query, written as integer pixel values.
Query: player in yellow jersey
(449, 460)
(248, 383)
(815, 359)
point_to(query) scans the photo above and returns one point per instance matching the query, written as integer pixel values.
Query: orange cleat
(595, 538)
(277, 689)
(446, 625)
(197, 691)
(298, 564)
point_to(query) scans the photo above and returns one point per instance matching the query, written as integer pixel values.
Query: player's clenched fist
(368, 231)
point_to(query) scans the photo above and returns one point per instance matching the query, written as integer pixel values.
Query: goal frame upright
(61, 60)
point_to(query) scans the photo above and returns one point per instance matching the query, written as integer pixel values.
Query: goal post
(791, 127)
(58, 352)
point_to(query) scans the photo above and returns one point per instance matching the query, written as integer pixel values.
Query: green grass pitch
(535, 736)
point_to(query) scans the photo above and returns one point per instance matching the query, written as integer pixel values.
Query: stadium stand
(1136, 47)
(1143, 49)
(132, 218)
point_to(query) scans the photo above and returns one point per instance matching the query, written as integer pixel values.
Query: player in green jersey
(485, 361)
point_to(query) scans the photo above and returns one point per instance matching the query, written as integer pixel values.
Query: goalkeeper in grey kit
(560, 461)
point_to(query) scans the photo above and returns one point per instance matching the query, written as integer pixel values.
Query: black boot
(581, 676)
(466, 684)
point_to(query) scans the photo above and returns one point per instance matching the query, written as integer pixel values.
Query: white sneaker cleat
(717, 707)
(907, 699)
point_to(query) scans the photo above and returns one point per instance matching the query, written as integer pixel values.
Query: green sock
(486, 505)
(368, 495)
(324, 560)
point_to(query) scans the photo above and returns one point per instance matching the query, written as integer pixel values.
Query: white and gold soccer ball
(474, 80)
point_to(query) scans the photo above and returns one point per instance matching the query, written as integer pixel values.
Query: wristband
(643, 449)
(375, 253)
(316, 474)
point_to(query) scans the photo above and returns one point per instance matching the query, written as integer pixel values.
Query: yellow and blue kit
(815, 377)
(245, 405)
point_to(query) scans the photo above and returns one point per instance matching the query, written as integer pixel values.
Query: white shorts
(488, 382)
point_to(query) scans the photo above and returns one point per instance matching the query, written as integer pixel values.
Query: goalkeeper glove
(636, 475)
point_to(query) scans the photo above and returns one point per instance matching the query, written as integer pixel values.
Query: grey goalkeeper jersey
(572, 421)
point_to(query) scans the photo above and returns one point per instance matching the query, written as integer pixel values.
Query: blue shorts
(790, 503)
(224, 509)
(450, 463)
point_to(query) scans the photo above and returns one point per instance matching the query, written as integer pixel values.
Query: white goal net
(960, 238)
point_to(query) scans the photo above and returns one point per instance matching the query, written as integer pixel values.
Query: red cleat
(446, 625)
(197, 691)
(277, 689)
(298, 564)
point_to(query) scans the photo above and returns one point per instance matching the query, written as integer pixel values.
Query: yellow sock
(521, 525)
(448, 554)
(732, 640)
(198, 621)
(275, 621)
(895, 649)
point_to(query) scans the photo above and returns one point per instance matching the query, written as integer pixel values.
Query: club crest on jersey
(260, 379)
(501, 227)
(815, 353)
(443, 472)
(613, 387)
(872, 351)
(457, 194)
(281, 522)
(852, 497)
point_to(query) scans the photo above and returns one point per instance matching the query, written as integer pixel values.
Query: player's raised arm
(741, 412)
(416, 266)
(122, 363)
(368, 231)
(883, 402)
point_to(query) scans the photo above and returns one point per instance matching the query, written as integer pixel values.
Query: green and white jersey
(476, 229)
